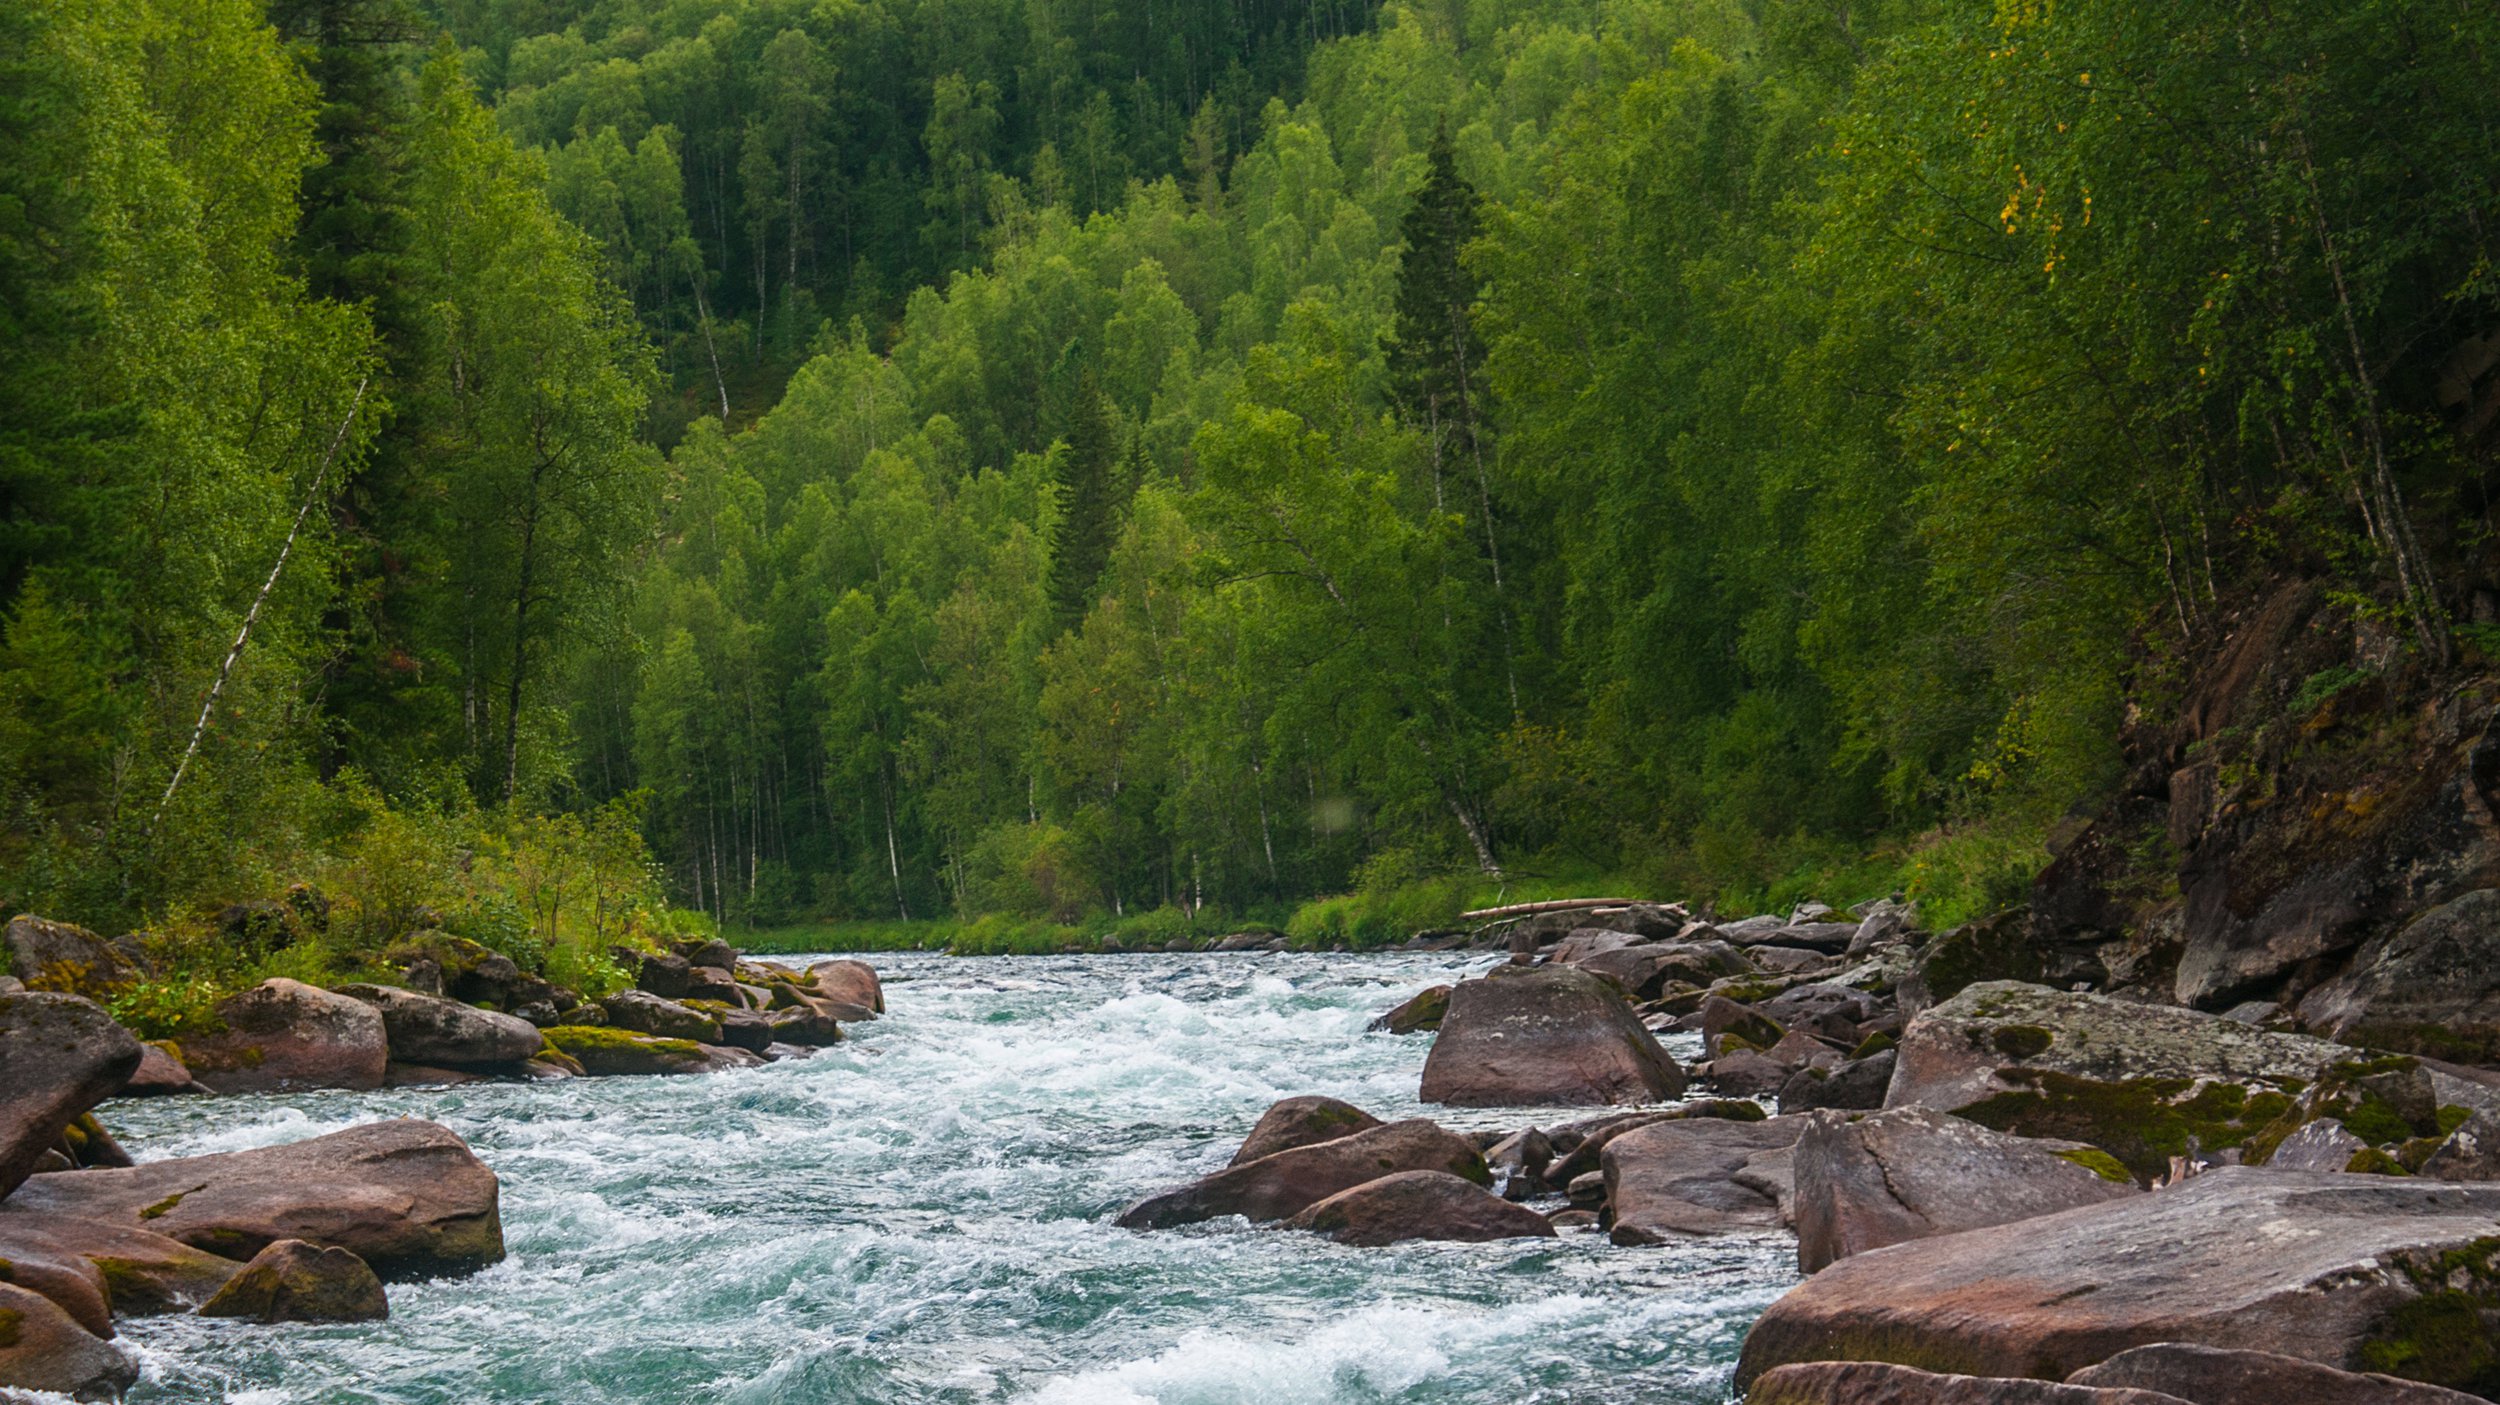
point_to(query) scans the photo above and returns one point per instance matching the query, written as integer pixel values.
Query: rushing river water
(922, 1215)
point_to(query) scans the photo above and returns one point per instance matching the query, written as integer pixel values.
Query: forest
(1025, 464)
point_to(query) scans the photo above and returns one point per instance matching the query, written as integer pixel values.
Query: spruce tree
(1435, 356)
(1089, 504)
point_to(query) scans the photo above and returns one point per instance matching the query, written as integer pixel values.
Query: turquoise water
(921, 1215)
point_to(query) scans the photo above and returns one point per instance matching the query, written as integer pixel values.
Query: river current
(922, 1215)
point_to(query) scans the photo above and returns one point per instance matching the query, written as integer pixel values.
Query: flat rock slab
(406, 1196)
(2204, 1375)
(59, 1056)
(1420, 1205)
(1914, 1173)
(143, 1272)
(1304, 1121)
(2326, 1267)
(1675, 1180)
(1545, 1036)
(1283, 1185)
(1879, 1383)
(283, 1034)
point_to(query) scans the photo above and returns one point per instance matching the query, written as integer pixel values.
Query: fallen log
(1490, 914)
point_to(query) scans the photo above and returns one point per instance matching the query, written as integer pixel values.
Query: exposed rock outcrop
(1880, 1383)
(292, 1281)
(2204, 1375)
(428, 1029)
(1283, 1185)
(1303, 1121)
(1546, 1035)
(1420, 1205)
(57, 956)
(283, 1035)
(1697, 1176)
(1913, 1173)
(44, 1348)
(60, 1055)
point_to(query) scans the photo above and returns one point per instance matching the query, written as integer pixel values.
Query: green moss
(1873, 1044)
(2451, 1117)
(578, 1040)
(2140, 1122)
(1730, 1041)
(2099, 1163)
(2370, 1161)
(163, 1207)
(2022, 1041)
(2374, 1121)
(2439, 1338)
(11, 1320)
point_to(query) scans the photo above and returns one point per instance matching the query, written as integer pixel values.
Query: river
(921, 1215)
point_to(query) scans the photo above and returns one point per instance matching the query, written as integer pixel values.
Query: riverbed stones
(43, 1348)
(60, 1055)
(1692, 1177)
(428, 1029)
(1420, 1205)
(292, 1281)
(2204, 1375)
(2357, 1272)
(1914, 1173)
(406, 1196)
(1303, 1121)
(57, 956)
(284, 1035)
(1881, 1383)
(1421, 1011)
(2431, 987)
(1645, 969)
(1857, 1085)
(1282, 1185)
(852, 983)
(1545, 1035)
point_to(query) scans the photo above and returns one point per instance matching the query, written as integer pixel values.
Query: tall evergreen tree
(1089, 470)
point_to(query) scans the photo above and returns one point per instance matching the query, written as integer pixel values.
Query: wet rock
(56, 956)
(2204, 1375)
(1303, 1121)
(43, 1348)
(405, 1195)
(1420, 1205)
(60, 1055)
(1544, 1035)
(292, 1281)
(404, 1075)
(1518, 1162)
(1672, 1180)
(142, 1272)
(2347, 1270)
(645, 1013)
(427, 1029)
(604, 1053)
(283, 1035)
(1421, 1011)
(1282, 1185)
(160, 1074)
(2432, 987)
(852, 983)
(1914, 1173)
(1881, 1383)
(1855, 1086)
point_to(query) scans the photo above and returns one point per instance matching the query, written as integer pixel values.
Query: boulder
(428, 1029)
(644, 1013)
(1881, 1383)
(43, 1348)
(142, 1272)
(1697, 1176)
(2431, 987)
(1581, 943)
(56, 956)
(406, 1196)
(2321, 1144)
(853, 983)
(1283, 1185)
(73, 1283)
(1856, 1086)
(160, 1074)
(1829, 938)
(1913, 1173)
(1421, 1011)
(1826, 1011)
(2358, 1272)
(1719, 1016)
(803, 1026)
(746, 1029)
(622, 1052)
(1646, 968)
(2204, 1375)
(292, 1281)
(716, 954)
(2142, 1082)
(283, 1035)
(1420, 1205)
(664, 975)
(60, 1055)
(1304, 1121)
(1545, 1035)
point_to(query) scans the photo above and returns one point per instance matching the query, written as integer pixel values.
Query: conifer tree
(1088, 472)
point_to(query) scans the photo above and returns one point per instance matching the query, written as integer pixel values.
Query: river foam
(921, 1215)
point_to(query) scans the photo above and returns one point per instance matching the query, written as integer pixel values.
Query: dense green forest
(1054, 460)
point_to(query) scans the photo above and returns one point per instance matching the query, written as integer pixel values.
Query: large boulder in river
(282, 1035)
(1304, 1121)
(292, 1281)
(1644, 969)
(1913, 1173)
(2204, 1375)
(2142, 1082)
(406, 1196)
(2366, 1272)
(1421, 1011)
(851, 982)
(428, 1029)
(2431, 987)
(645, 1013)
(1420, 1205)
(1680, 1179)
(56, 956)
(1881, 1383)
(604, 1053)
(59, 1056)
(1283, 1185)
(143, 1272)
(160, 1074)
(44, 1348)
(1545, 1035)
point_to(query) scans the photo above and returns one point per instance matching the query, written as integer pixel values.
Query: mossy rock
(2099, 1163)
(623, 1052)
(2141, 1122)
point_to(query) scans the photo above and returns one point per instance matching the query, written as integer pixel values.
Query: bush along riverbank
(309, 1232)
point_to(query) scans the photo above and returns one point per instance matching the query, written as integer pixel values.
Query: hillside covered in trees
(1050, 459)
